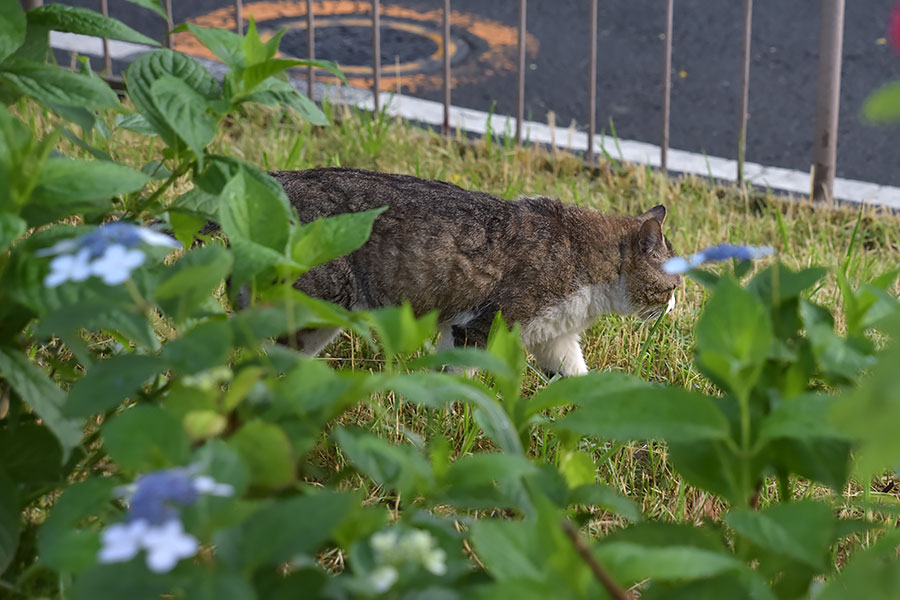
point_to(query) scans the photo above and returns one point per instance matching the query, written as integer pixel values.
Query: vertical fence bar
(446, 42)
(828, 95)
(745, 91)
(29, 4)
(310, 46)
(592, 84)
(107, 59)
(520, 106)
(169, 23)
(376, 53)
(667, 89)
(239, 16)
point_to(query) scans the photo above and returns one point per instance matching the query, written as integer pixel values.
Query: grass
(863, 242)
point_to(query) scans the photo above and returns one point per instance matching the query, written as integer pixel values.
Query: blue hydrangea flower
(154, 523)
(109, 252)
(680, 264)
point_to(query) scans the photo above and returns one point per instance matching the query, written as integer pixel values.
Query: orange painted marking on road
(498, 40)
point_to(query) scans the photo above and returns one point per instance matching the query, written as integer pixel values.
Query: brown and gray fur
(552, 267)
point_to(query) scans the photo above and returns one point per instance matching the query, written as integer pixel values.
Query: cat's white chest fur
(553, 335)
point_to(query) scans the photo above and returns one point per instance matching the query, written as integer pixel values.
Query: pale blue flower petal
(116, 264)
(676, 264)
(716, 253)
(121, 542)
(167, 544)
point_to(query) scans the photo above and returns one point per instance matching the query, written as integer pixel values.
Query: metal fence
(831, 26)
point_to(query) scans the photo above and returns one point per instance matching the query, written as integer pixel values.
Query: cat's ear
(650, 235)
(657, 213)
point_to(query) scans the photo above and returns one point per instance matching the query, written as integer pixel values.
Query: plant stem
(743, 397)
(605, 580)
(181, 170)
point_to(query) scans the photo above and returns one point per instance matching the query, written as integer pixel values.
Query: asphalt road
(706, 68)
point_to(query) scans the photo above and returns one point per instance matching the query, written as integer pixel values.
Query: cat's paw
(570, 370)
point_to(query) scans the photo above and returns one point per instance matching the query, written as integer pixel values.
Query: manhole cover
(411, 42)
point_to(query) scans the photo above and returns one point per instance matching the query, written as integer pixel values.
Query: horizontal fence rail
(831, 25)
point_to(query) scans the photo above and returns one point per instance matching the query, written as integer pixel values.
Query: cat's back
(330, 191)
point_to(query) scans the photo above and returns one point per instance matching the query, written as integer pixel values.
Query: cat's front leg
(560, 355)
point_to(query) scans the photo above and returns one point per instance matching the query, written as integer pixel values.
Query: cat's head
(650, 289)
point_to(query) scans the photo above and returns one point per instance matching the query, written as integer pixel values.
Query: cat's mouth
(652, 313)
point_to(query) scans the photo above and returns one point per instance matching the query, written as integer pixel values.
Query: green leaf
(800, 530)
(42, 395)
(399, 331)
(825, 460)
(733, 337)
(508, 549)
(186, 111)
(312, 390)
(10, 518)
(218, 584)
(185, 227)
(486, 480)
(258, 72)
(633, 410)
(711, 465)
(150, 67)
(273, 92)
(778, 283)
(255, 50)
(266, 449)
(73, 19)
(226, 45)
(11, 227)
(578, 468)
(283, 530)
(60, 545)
(134, 122)
(872, 573)
(325, 239)
(801, 418)
(204, 346)
(869, 414)
(435, 390)
(152, 5)
(58, 87)
(203, 424)
(197, 203)
(249, 211)
(399, 467)
(145, 438)
(224, 464)
(110, 382)
(580, 390)
(36, 45)
(739, 584)
(463, 357)
(635, 562)
(132, 580)
(70, 186)
(506, 344)
(188, 284)
(12, 35)
(31, 455)
(597, 494)
(838, 358)
(62, 317)
(883, 105)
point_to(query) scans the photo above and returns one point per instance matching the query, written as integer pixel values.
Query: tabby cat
(552, 267)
